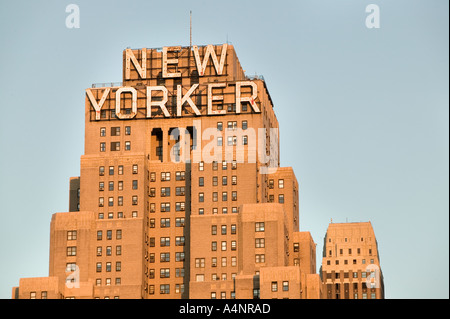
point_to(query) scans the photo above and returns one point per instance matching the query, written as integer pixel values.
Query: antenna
(190, 28)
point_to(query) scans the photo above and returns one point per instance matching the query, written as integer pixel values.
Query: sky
(363, 114)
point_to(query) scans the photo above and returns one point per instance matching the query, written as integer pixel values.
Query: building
(180, 193)
(351, 263)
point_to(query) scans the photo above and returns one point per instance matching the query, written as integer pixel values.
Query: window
(234, 180)
(179, 256)
(274, 286)
(281, 198)
(244, 125)
(101, 170)
(233, 245)
(201, 181)
(224, 180)
(164, 289)
(98, 267)
(120, 185)
(180, 176)
(244, 140)
(127, 130)
(179, 222)
(224, 196)
(285, 285)
(214, 246)
(164, 257)
(127, 146)
(165, 207)
(219, 141)
(102, 147)
(224, 229)
(135, 168)
(164, 273)
(199, 262)
(111, 201)
(71, 251)
(201, 211)
(165, 176)
(259, 258)
(234, 195)
(111, 186)
(200, 166)
(118, 266)
(134, 184)
(281, 183)
(111, 170)
(180, 191)
(179, 241)
(103, 131)
(219, 126)
(43, 294)
(224, 165)
(120, 201)
(72, 235)
(201, 197)
(115, 131)
(165, 191)
(118, 250)
(296, 247)
(165, 222)
(115, 146)
(164, 241)
(214, 165)
(259, 243)
(259, 226)
(213, 229)
(270, 183)
(119, 234)
(180, 206)
(224, 210)
(101, 201)
(233, 229)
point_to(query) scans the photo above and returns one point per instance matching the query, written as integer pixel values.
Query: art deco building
(351, 263)
(180, 193)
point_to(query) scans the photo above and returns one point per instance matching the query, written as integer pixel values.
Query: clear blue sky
(363, 114)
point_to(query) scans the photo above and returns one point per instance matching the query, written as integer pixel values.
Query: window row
(179, 272)
(165, 207)
(284, 285)
(109, 234)
(280, 198)
(232, 140)
(165, 241)
(117, 281)
(215, 210)
(223, 229)
(108, 266)
(166, 176)
(134, 214)
(280, 183)
(115, 146)
(215, 196)
(355, 274)
(358, 251)
(215, 181)
(111, 170)
(224, 245)
(200, 262)
(165, 289)
(165, 191)
(201, 165)
(165, 257)
(101, 185)
(232, 125)
(165, 222)
(109, 250)
(354, 261)
(115, 131)
(101, 201)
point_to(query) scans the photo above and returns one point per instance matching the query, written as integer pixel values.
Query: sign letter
(250, 99)
(161, 104)
(201, 66)
(133, 103)
(186, 98)
(166, 61)
(97, 106)
(141, 69)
